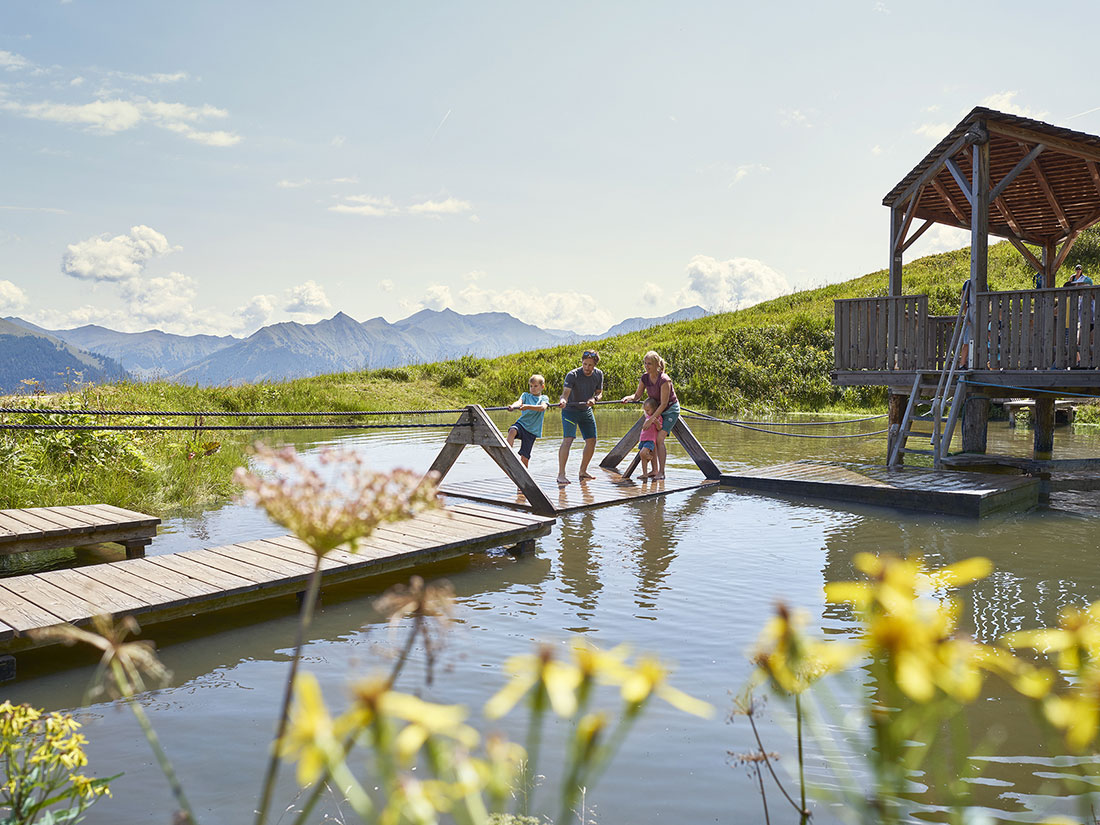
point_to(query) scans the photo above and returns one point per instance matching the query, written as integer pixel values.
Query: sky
(212, 167)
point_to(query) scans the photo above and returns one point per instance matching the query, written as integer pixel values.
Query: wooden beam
(1088, 221)
(1017, 169)
(1060, 258)
(913, 204)
(1053, 143)
(1036, 264)
(1044, 184)
(979, 225)
(920, 231)
(894, 283)
(1010, 219)
(933, 170)
(694, 449)
(627, 443)
(1094, 173)
(960, 179)
(942, 192)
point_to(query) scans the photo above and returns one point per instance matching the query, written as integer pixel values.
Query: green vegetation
(775, 356)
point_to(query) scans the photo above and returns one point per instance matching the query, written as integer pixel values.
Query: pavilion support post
(1043, 424)
(1049, 255)
(896, 410)
(897, 219)
(975, 427)
(979, 220)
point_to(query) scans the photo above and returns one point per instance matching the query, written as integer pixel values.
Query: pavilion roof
(1052, 197)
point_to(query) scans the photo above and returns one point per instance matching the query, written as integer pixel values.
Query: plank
(56, 600)
(159, 574)
(280, 566)
(212, 558)
(185, 565)
(105, 598)
(32, 523)
(122, 579)
(22, 615)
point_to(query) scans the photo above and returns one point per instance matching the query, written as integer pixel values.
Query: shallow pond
(691, 577)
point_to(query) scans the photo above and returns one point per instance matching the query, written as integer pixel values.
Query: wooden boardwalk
(46, 528)
(607, 488)
(176, 585)
(909, 488)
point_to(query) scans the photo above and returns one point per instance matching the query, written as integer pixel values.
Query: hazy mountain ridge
(338, 344)
(33, 354)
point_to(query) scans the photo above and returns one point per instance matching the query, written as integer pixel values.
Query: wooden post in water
(1043, 422)
(896, 414)
(474, 427)
(975, 427)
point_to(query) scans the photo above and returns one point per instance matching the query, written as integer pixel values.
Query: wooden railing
(1027, 329)
(1038, 329)
(881, 333)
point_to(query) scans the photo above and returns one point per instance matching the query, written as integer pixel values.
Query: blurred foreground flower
(791, 660)
(326, 513)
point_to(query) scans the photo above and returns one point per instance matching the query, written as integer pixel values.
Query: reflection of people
(656, 384)
(582, 388)
(647, 441)
(529, 425)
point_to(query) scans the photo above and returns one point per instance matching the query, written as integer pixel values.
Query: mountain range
(276, 352)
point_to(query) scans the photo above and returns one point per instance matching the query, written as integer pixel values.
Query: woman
(582, 388)
(656, 384)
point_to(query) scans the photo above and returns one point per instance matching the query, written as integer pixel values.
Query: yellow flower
(606, 666)
(425, 720)
(649, 677)
(309, 735)
(542, 671)
(791, 660)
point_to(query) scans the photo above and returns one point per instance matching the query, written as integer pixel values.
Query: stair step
(916, 434)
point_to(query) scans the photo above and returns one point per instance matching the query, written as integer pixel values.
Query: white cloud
(13, 62)
(550, 310)
(51, 209)
(114, 259)
(255, 314)
(108, 117)
(474, 275)
(298, 184)
(724, 286)
(306, 299)
(743, 171)
(385, 285)
(938, 238)
(156, 77)
(876, 150)
(652, 294)
(77, 81)
(338, 141)
(796, 117)
(1006, 102)
(160, 300)
(936, 131)
(12, 298)
(375, 206)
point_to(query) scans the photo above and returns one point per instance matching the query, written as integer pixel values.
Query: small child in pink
(647, 441)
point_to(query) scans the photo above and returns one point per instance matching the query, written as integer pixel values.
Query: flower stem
(304, 618)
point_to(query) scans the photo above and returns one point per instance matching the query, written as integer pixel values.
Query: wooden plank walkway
(607, 488)
(909, 488)
(176, 585)
(46, 528)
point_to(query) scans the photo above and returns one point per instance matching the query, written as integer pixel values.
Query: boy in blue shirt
(529, 425)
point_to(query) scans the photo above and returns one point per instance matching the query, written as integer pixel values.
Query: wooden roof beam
(1053, 143)
(1002, 207)
(1063, 221)
(960, 179)
(1029, 256)
(962, 219)
(1067, 245)
(935, 168)
(1016, 170)
(1094, 173)
(924, 227)
(913, 204)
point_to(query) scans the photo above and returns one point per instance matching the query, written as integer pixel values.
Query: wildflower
(542, 671)
(425, 720)
(328, 515)
(137, 660)
(309, 735)
(649, 677)
(791, 660)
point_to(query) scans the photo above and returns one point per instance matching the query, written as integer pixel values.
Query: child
(529, 425)
(647, 441)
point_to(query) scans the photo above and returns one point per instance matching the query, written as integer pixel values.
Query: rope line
(225, 414)
(209, 427)
(695, 416)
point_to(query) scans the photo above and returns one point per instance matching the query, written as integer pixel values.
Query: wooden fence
(1026, 329)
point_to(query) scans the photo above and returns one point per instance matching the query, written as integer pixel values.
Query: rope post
(474, 427)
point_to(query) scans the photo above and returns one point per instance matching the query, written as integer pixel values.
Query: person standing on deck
(582, 388)
(656, 384)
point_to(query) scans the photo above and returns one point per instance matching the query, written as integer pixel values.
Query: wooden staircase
(944, 398)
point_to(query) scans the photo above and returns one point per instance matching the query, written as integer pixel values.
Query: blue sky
(212, 167)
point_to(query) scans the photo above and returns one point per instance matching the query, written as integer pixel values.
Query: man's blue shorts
(573, 417)
(647, 445)
(526, 439)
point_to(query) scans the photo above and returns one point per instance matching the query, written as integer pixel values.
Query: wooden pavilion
(1038, 186)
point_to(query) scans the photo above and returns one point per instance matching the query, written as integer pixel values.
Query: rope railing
(699, 416)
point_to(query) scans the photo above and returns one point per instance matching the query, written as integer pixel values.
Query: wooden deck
(46, 528)
(605, 489)
(176, 585)
(908, 488)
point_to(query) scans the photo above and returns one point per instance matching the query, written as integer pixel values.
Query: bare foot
(585, 476)
(562, 481)
(657, 477)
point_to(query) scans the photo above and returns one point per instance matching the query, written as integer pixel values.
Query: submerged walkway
(177, 585)
(912, 488)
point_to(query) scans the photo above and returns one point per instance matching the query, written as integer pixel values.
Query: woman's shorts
(669, 418)
(647, 445)
(572, 418)
(526, 439)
